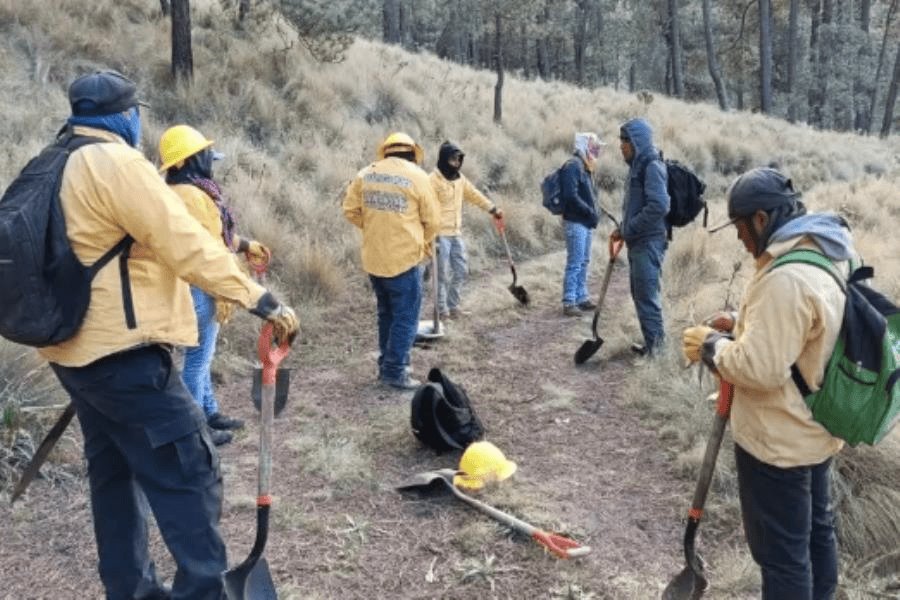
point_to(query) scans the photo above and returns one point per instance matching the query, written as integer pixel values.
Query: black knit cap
(102, 93)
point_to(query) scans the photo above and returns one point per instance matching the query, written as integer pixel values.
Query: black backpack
(44, 289)
(441, 415)
(685, 196)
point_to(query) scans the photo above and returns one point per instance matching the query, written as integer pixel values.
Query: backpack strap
(71, 141)
(816, 259)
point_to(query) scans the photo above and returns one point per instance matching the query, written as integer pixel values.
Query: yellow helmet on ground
(400, 142)
(179, 143)
(482, 463)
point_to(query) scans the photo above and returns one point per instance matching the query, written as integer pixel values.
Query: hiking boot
(639, 349)
(405, 383)
(570, 310)
(220, 437)
(220, 421)
(587, 305)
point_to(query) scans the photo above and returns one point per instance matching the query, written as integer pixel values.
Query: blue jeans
(645, 271)
(147, 448)
(198, 359)
(789, 526)
(399, 299)
(578, 260)
(452, 271)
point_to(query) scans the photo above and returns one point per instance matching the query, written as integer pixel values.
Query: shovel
(589, 347)
(431, 330)
(560, 546)
(251, 580)
(516, 290)
(691, 582)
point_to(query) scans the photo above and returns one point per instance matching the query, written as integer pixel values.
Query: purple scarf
(213, 190)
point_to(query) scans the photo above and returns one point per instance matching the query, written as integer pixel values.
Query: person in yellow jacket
(451, 187)
(186, 157)
(393, 203)
(145, 439)
(789, 320)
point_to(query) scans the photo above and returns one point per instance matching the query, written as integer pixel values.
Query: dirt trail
(587, 466)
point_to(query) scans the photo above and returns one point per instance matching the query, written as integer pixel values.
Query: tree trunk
(865, 14)
(243, 10)
(891, 98)
(182, 55)
(793, 43)
(675, 50)
(390, 21)
(580, 45)
(526, 64)
(498, 62)
(711, 59)
(813, 101)
(884, 42)
(165, 7)
(765, 56)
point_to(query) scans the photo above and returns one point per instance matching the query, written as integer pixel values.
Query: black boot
(220, 421)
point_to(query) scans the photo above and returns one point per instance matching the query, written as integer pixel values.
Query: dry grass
(295, 132)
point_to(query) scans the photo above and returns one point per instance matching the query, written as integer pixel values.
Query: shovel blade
(250, 582)
(426, 479)
(588, 349)
(282, 383)
(687, 585)
(520, 294)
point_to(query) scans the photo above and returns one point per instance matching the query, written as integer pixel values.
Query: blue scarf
(125, 124)
(829, 231)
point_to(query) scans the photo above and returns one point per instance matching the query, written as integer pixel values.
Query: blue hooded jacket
(577, 193)
(646, 201)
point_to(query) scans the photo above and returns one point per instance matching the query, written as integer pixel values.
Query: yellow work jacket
(789, 314)
(450, 195)
(392, 202)
(110, 190)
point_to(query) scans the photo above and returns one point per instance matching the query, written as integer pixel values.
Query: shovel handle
(615, 246)
(259, 266)
(270, 356)
(559, 545)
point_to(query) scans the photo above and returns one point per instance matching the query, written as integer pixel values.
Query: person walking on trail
(452, 187)
(145, 439)
(643, 229)
(580, 218)
(186, 159)
(393, 203)
(790, 316)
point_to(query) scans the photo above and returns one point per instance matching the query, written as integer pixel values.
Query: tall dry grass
(295, 132)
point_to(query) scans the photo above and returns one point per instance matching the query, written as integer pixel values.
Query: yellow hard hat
(400, 142)
(482, 463)
(179, 143)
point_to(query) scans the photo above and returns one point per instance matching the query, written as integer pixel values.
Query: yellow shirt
(450, 195)
(392, 202)
(789, 314)
(110, 190)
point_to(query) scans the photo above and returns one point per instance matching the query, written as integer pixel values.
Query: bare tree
(390, 10)
(889, 17)
(891, 98)
(498, 65)
(713, 63)
(765, 56)
(164, 6)
(243, 10)
(674, 37)
(793, 43)
(182, 55)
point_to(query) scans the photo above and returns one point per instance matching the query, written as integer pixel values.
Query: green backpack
(859, 400)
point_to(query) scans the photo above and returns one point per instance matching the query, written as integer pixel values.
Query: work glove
(616, 235)
(282, 317)
(692, 341)
(721, 321)
(257, 253)
(497, 212)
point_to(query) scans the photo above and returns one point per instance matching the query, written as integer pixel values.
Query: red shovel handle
(561, 546)
(726, 395)
(270, 356)
(500, 225)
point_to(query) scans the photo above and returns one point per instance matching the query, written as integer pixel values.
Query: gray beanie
(102, 93)
(763, 189)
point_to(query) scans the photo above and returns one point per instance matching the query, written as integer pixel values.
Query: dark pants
(645, 261)
(147, 448)
(789, 525)
(399, 299)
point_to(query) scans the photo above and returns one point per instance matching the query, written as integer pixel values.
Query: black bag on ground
(44, 289)
(685, 195)
(442, 417)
